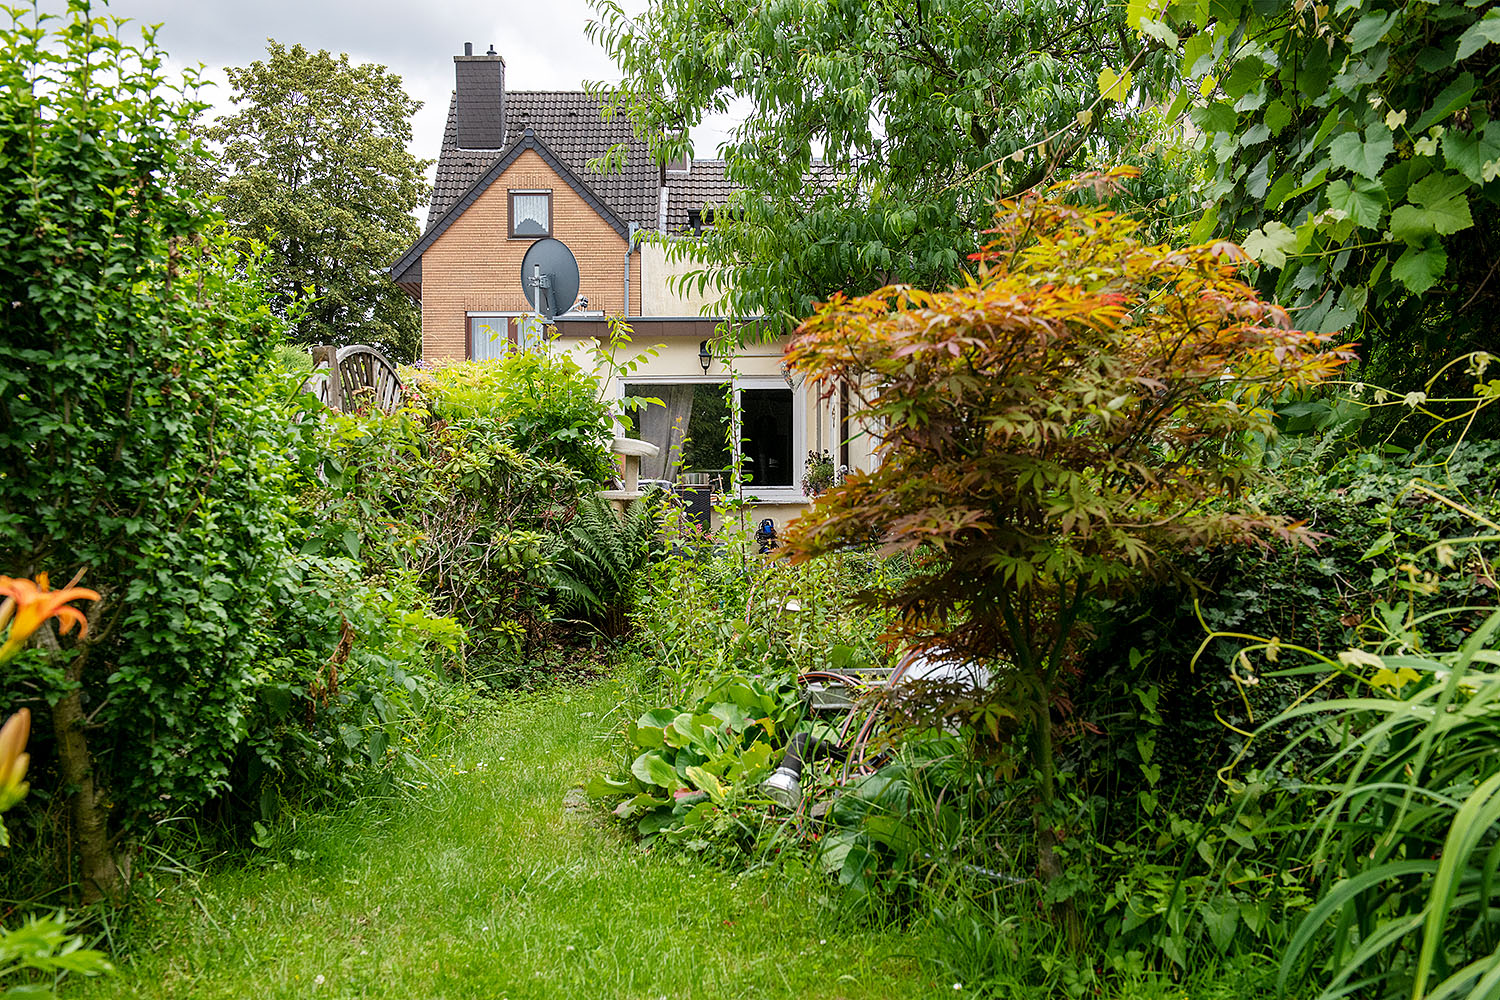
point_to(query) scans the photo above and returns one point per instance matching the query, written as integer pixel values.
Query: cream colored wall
(658, 297)
(677, 357)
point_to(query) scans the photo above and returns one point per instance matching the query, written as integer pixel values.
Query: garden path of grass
(492, 887)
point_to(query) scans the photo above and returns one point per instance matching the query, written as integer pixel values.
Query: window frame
(763, 494)
(510, 213)
(511, 339)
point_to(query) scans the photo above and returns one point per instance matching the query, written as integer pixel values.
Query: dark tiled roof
(408, 270)
(570, 124)
(703, 184)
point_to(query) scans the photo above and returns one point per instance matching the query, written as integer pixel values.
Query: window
(530, 214)
(700, 219)
(690, 424)
(492, 334)
(767, 438)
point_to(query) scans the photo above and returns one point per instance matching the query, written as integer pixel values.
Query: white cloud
(544, 44)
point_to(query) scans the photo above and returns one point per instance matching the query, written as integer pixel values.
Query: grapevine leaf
(1277, 115)
(1271, 244)
(1419, 269)
(1481, 33)
(1447, 208)
(1362, 200)
(1453, 97)
(1468, 153)
(1362, 155)
(1370, 29)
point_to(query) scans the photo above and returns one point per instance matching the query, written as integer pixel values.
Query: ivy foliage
(875, 135)
(1353, 146)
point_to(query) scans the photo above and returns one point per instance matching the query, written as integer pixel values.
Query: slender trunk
(99, 874)
(1047, 864)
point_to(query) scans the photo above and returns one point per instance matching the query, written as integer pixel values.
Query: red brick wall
(475, 267)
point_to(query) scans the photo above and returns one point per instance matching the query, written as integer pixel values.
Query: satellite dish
(549, 277)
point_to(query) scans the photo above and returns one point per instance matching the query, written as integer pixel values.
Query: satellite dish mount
(549, 278)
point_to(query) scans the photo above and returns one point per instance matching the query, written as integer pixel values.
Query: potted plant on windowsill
(819, 474)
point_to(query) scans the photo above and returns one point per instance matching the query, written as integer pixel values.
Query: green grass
(489, 885)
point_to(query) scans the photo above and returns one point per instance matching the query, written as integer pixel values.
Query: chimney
(480, 86)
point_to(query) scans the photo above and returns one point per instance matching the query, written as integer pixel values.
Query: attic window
(700, 219)
(530, 214)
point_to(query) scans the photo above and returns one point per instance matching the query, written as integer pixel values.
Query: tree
(1057, 430)
(314, 163)
(135, 437)
(1354, 151)
(921, 111)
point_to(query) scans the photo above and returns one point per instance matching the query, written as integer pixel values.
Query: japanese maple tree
(1060, 427)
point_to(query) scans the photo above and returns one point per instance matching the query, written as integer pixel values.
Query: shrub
(548, 406)
(136, 434)
(1058, 430)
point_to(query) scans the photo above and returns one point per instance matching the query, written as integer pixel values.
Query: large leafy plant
(1354, 141)
(545, 403)
(136, 435)
(693, 767)
(1057, 430)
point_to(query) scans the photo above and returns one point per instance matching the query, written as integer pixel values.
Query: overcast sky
(543, 43)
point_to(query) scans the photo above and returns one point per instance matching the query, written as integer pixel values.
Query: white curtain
(490, 337)
(664, 426)
(529, 214)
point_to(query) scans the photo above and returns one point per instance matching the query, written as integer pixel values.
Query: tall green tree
(1355, 151)
(921, 112)
(314, 162)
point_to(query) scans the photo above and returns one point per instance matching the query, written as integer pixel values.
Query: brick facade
(475, 267)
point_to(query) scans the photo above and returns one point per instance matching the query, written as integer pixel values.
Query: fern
(597, 558)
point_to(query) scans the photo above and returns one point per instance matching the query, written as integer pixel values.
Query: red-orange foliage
(1063, 424)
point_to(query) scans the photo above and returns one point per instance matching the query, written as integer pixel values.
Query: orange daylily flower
(27, 605)
(13, 758)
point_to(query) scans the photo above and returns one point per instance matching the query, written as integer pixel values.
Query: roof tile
(573, 127)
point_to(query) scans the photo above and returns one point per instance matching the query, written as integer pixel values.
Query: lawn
(496, 882)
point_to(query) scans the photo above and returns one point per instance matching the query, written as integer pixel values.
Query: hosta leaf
(706, 782)
(602, 786)
(653, 769)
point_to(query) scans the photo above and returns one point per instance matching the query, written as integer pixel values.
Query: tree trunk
(99, 873)
(1048, 865)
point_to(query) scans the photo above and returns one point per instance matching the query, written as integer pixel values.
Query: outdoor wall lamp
(705, 356)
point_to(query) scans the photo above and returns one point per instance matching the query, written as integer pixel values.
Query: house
(514, 168)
